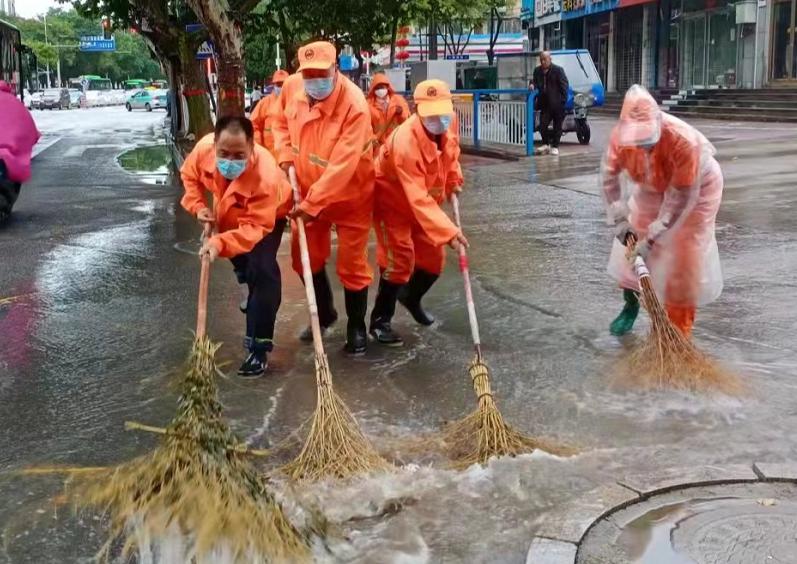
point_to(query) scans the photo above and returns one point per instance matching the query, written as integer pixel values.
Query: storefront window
(722, 48)
(784, 53)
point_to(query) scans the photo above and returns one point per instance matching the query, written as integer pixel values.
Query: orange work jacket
(385, 118)
(262, 121)
(330, 144)
(414, 176)
(245, 208)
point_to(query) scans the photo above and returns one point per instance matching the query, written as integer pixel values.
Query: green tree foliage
(161, 25)
(64, 28)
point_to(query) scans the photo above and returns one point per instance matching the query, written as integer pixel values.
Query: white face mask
(381, 92)
(319, 88)
(436, 125)
(276, 90)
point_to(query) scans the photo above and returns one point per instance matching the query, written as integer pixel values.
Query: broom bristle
(485, 434)
(668, 359)
(335, 446)
(193, 483)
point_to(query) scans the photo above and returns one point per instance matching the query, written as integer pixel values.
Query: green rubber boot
(625, 321)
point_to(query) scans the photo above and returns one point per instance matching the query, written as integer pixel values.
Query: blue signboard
(347, 63)
(193, 28)
(547, 11)
(457, 57)
(97, 44)
(527, 10)
(205, 51)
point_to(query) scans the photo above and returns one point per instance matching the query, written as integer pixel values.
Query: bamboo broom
(335, 446)
(484, 433)
(668, 358)
(194, 481)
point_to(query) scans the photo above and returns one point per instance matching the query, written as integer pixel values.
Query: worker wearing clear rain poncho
(662, 187)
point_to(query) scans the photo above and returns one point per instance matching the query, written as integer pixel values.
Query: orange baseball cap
(320, 55)
(433, 98)
(279, 76)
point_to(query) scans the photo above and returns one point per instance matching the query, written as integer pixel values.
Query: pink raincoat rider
(662, 184)
(18, 135)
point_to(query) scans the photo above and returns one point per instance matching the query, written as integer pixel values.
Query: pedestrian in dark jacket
(551, 85)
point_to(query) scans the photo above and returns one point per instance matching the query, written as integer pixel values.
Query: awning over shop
(627, 3)
(578, 8)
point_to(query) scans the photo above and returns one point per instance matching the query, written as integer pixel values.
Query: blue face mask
(319, 88)
(276, 90)
(231, 169)
(436, 125)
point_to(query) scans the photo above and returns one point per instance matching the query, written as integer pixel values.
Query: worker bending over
(251, 199)
(670, 208)
(417, 169)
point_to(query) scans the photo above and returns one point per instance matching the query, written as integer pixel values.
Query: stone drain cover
(750, 523)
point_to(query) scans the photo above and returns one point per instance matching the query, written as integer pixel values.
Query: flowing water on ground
(96, 326)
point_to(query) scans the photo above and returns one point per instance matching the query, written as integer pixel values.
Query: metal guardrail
(504, 122)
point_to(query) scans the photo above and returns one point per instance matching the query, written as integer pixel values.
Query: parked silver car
(35, 101)
(55, 98)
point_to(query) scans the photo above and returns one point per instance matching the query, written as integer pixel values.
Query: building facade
(677, 44)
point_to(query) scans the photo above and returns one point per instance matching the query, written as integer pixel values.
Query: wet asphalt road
(97, 291)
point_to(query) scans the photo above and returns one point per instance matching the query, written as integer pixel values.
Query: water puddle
(731, 523)
(151, 164)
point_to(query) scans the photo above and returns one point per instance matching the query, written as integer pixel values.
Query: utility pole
(46, 42)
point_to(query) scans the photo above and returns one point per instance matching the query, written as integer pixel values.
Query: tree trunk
(192, 78)
(432, 37)
(360, 64)
(175, 106)
(495, 30)
(393, 36)
(288, 44)
(228, 43)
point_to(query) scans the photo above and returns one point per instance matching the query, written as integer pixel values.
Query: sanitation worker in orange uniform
(417, 169)
(263, 116)
(388, 109)
(670, 208)
(251, 199)
(323, 129)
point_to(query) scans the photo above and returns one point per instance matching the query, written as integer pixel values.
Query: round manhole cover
(747, 523)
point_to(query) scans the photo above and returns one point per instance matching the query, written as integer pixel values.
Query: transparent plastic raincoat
(659, 175)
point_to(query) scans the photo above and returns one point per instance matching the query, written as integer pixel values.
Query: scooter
(9, 192)
(585, 91)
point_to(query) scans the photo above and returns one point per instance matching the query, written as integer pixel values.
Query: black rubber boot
(382, 314)
(410, 295)
(356, 336)
(327, 315)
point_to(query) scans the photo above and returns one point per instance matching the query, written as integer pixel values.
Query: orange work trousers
(402, 246)
(352, 266)
(683, 318)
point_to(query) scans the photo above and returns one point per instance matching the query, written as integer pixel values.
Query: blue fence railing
(481, 96)
(478, 130)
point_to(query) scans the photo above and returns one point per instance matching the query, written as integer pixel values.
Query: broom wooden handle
(307, 272)
(464, 268)
(202, 301)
